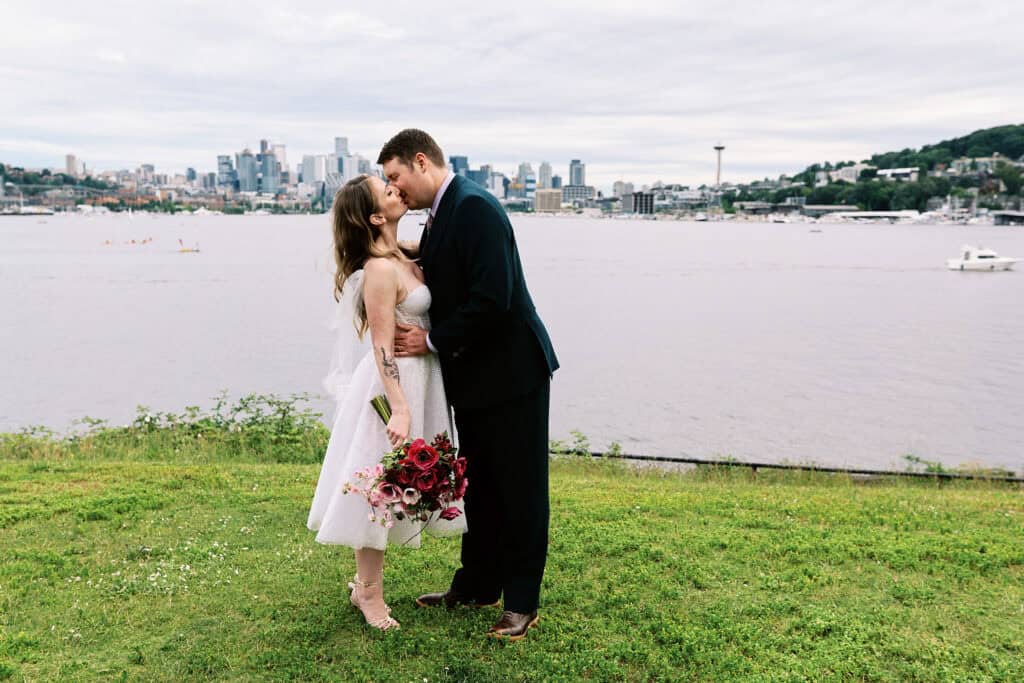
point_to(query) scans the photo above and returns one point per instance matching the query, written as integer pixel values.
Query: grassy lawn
(156, 554)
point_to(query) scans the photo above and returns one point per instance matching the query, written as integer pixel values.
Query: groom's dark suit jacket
(490, 341)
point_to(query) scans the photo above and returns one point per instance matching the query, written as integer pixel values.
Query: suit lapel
(428, 243)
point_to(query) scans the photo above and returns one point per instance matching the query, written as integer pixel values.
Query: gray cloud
(639, 92)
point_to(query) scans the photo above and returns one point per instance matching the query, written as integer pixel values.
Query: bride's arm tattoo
(390, 365)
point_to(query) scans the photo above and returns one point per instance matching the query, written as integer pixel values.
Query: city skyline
(641, 93)
(317, 164)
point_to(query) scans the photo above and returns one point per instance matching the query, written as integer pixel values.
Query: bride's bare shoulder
(380, 271)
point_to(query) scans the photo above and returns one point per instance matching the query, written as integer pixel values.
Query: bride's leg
(368, 588)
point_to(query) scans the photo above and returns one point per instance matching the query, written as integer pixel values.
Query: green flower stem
(383, 408)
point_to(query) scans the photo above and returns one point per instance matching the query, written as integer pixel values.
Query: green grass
(123, 559)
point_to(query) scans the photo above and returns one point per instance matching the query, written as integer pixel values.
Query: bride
(376, 286)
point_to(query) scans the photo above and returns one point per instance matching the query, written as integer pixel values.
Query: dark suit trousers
(505, 548)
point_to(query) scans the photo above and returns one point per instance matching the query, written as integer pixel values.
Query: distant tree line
(36, 183)
(872, 194)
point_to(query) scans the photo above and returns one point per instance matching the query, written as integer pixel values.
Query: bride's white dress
(358, 440)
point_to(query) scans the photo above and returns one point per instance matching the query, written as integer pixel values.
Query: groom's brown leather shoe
(451, 598)
(514, 625)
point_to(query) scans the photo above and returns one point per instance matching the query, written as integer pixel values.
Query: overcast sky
(639, 91)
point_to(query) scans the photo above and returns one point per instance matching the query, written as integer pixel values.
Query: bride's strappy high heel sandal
(385, 623)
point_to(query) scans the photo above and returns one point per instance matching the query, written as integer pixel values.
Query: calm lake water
(852, 346)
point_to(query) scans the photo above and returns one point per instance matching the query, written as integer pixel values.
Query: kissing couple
(450, 322)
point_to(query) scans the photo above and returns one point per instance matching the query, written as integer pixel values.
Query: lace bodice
(413, 309)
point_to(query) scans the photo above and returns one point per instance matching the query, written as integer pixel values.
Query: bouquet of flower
(414, 480)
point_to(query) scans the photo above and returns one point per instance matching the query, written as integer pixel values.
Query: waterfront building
(556, 182)
(849, 174)
(643, 202)
(577, 172)
(71, 165)
(621, 189)
(977, 165)
(577, 193)
(548, 200)
(459, 165)
(907, 174)
(818, 210)
(544, 176)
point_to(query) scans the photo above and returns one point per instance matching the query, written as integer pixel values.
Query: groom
(497, 364)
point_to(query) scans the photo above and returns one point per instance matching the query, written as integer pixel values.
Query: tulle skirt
(358, 440)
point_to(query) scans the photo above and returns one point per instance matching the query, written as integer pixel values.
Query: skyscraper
(270, 174)
(460, 165)
(527, 179)
(71, 165)
(481, 176)
(226, 175)
(280, 155)
(348, 166)
(577, 172)
(314, 168)
(544, 176)
(245, 161)
(556, 182)
(341, 146)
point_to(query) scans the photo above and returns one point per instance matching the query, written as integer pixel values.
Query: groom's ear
(420, 162)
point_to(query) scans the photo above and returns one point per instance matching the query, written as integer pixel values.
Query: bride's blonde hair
(355, 237)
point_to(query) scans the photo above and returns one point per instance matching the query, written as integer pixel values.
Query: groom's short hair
(407, 144)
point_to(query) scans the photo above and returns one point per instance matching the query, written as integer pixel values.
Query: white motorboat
(979, 258)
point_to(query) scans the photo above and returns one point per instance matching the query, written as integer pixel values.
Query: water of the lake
(852, 346)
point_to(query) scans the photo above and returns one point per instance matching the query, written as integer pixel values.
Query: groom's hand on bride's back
(410, 340)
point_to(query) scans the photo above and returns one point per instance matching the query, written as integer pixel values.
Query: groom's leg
(519, 435)
(479, 576)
